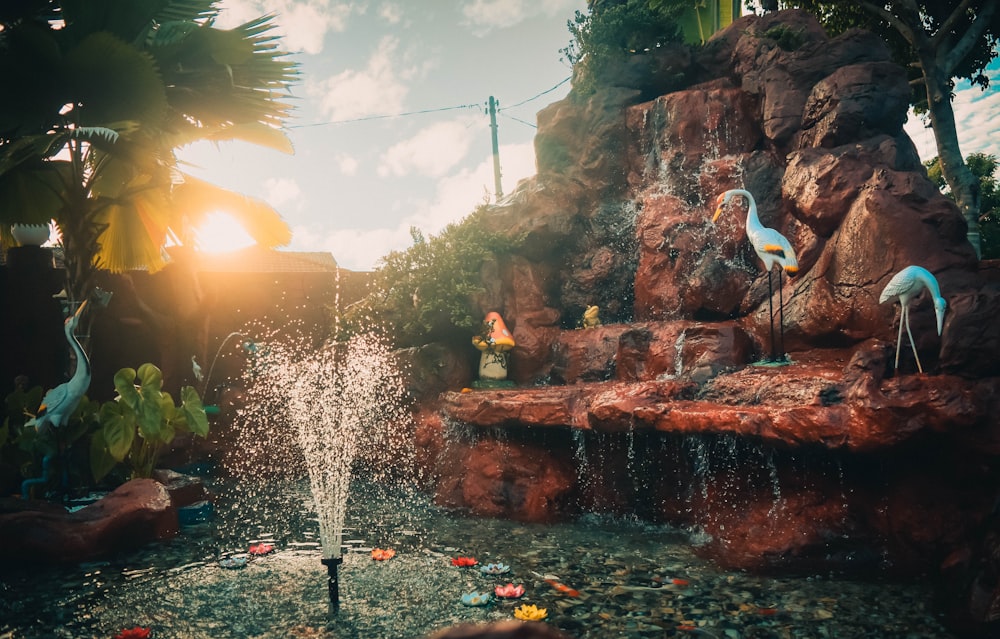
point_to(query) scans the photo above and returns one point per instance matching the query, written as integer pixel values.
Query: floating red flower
(379, 554)
(260, 549)
(134, 633)
(510, 591)
(464, 561)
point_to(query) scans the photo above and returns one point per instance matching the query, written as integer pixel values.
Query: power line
(517, 120)
(383, 117)
(432, 110)
(540, 94)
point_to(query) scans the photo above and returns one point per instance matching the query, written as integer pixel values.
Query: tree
(984, 167)
(938, 41)
(613, 30)
(99, 94)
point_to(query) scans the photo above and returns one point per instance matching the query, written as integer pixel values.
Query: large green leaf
(125, 387)
(194, 411)
(118, 427)
(150, 414)
(101, 460)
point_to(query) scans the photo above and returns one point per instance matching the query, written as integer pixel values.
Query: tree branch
(949, 60)
(916, 37)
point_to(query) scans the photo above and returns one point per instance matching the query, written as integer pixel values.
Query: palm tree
(99, 94)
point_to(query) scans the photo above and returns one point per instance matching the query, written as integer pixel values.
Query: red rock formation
(135, 513)
(835, 461)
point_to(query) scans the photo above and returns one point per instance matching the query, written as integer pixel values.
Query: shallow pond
(633, 580)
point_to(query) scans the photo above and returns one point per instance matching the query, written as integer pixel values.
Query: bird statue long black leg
(781, 319)
(913, 345)
(770, 313)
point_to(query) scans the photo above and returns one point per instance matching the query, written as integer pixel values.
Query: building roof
(261, 260)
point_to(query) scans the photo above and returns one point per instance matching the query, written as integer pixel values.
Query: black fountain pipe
(331, 564)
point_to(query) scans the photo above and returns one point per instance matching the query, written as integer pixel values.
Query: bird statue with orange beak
(772, 248)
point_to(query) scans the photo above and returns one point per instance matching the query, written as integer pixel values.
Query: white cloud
(353, 249)
(433, 151)
(348, 164)
(374, 90)
(484, 15)
(280, 191)
(391, 12)
(302, 24)
(456, 196)
(977, 118)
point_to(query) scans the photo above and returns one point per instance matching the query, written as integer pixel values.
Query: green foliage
(429, 289)
(788, 39)
(142, 421)
(614, 30)
(838, 17)
(98, 102)
(984, 167)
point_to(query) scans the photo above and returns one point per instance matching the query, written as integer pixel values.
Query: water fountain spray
(338, 396)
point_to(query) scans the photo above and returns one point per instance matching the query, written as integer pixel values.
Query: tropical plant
(430, 288)
(615, 29)
(984, 167)
(100, 95)
(937, 42)
(141, 421)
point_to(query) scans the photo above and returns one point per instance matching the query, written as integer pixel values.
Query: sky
(390, 126)
(359, 181)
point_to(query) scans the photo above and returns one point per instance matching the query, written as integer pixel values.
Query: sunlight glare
(221, 233)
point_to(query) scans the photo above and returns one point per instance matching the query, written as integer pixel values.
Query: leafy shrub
(141, 421)
(430, 288)
(614, 30)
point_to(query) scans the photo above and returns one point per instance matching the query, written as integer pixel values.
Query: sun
(221, 233)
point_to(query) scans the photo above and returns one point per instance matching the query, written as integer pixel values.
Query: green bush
(612, 31)
(428, 290)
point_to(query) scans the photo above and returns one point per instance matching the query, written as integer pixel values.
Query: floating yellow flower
(529, 612)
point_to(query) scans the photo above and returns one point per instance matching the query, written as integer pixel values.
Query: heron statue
(905, 286)
(772, 248)
(60, 402)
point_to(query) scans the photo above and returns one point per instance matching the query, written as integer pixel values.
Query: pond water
(634, 580)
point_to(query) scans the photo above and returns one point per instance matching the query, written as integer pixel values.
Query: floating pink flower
(510, 591)
(260, 549)
(464, 561)
(137, 632)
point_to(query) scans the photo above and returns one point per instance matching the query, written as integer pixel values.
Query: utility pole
(496, 149)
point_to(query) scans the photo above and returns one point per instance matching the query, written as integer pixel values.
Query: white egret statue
(772, 248)
(60, 402)
(905, 286)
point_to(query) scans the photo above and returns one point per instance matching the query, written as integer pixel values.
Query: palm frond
(196, 199)
(135, 230)
(95, 133)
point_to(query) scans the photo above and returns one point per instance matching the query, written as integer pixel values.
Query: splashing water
(341, 403)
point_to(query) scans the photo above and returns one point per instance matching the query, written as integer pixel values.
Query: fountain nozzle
(331, 564)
